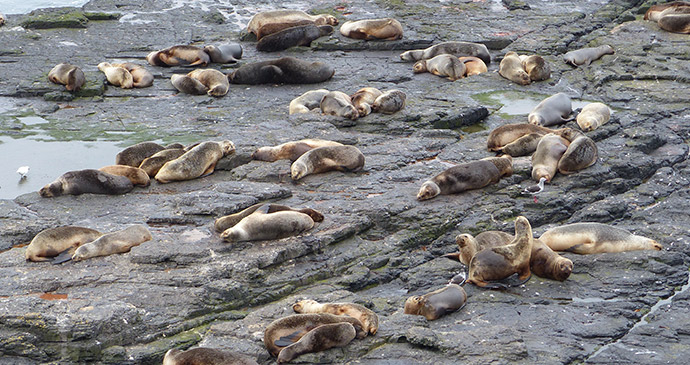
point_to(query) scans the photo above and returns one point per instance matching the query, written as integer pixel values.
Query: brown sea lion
(511, 69)
(205, 356)
(151, 165)
(290, 150)
(585, 56)
(307, 101)
(111, 243)
(443, 65)
(69, 75)
(269, 22)
(364, 98)
(223, 223)
(301, 35)
(118, 76)
(133, 155)
(141, 77)
(2, 19)
(87, 181)
(198, 161)
(389, 102)
(321, 338)
(467, 176)
(473, 65)
(262, 225)
(286, 70)
(369, 319)
(536, 67)
(224, 53)
(523, 146)
(655, 11)
(52, 241)
(188, 85)
(327, 158)
(455, 48)
(676, 22)
(179, 56)
(339, 104)
(589, 237)
(437, 303)
(593, 116)
(551, 111)
(501, 136)
(545, 159)
(582, 152)
(215, 81)
(136, 175)
(387, 29)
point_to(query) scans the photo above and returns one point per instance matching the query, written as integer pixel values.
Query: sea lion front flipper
(580, 248)
(64, 256)
(209, 170)
(271, 72)
(290, 339)
(453, 256)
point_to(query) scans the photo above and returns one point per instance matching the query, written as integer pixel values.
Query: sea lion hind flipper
(63, 256)
(459, 279)
(290, 339)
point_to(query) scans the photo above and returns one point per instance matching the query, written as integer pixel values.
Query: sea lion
(224, 53)
(151, 165)
(87, 181)
(437, 303)
(339, 104)
(215, 81)
(536, 67)
(503, 135)
(115, 242)
(269, 22)
(2, 19)
(511, 69)
(473, 65)
(455, 48)
(69, 75)
(136, 175)
(188, 85)
(551, 111)
(301, 35)
(223, 223)
(133, 155)
(327, 158)
(141, 77)
(307, 101)
(581, 153)
(523, 146)
(443, 65)
(290, 329)
(593, 116)
(179, 56)
(205, 356)
(467, 176)
(320, 338)
(369, 319)
(585, 56)
(389, 102)
(589, 237)
(545, 159)
(498, 263)
(290, 150)
(286, 70)
(198, 161)
(52, 241)
(675, 20)
(262, 225)
(364, 98)
(118, 76)
(387, 29)
(654, 12)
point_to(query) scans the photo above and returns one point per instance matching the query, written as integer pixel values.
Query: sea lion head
(655, 245)
(75, 79)
(82, 252)
(562, 269)
(419, 66)
(298, 170)
(326, 19)
(412, 55)
(154, 58)
(228, 147)
(300, 306)
(51, 190)
(264, 154)
(463, 240)
(414, 304)
(428, 190)
(535, 119)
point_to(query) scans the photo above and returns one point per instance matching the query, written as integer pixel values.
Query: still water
(25, 6)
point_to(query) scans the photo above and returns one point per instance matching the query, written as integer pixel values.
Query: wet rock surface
(377, 245)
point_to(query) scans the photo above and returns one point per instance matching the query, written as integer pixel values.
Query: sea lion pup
(511, 69)
(364, 98)
(589, 237)
(224, 53)
(582, 152)
(286, 70)
(501, 136)
(551, 111)
(263, 225)
(327, 158)
(216, 81)
(593, 116)
(136, 175)
(269, 22)
(87, 181)
(455, 48)
(301, 35)
(307, 101)
(52, 241)
(369, 319)
(205, 356)
(389, 102)
(118, 76)
(116, 242)
(387, 29)
(498, 263)
(151, 165)
(536, 67)
(437, 303)
(585, 56)
(467, 176)
(287, 330)
(198, 161)
(188, 85)
(69, 75)
(320, 338)
(179, 56)
(654, 12)
(290, 150)
(443, 65)
(473, 65)
(223, 223)
(141, 77)
(339, 104)
(545, 159)
(133, 155)
(523, 146)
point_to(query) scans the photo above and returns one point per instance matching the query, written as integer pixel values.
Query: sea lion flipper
(290, 339)
(453, 256)
(209, 170)
(64, 256)
(580, 248)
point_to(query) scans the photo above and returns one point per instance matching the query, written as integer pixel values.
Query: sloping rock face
(378, 244)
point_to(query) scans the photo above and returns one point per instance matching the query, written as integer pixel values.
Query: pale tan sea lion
(654, 12)
(369, 319)
(290, 150)
(593, 116)
(501, 136)
(590, 237)
(387, 29)
(437, 303)
(223, 223)
(511, 69)
(389, 102)
(224, 53)
(151, 165)
(141, 77)
(118, 76)
(215, 81)
(69, 75)
(443, 65)
(339, 104)
(536, 67)
(198, 161)
(467, 176)
(205, 356)
(585, 56)
(301, 35)
(582, 152)
(188, 85)
(364, 98)
(455, 48)
(327, 158)
(52, 241)
(551, 111)
(307, 101)
(133, 155)
(87, 181)
(136, 175)
(269, 22)
(473, 65)
(262, 225)
(179, 56)
(111, 243)
(545, 159)
(285, 70)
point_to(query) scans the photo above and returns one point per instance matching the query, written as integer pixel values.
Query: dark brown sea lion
(286, 70)
(321, 338)
(205, 356)
(438, 303)
(133, 155)
(87, 181)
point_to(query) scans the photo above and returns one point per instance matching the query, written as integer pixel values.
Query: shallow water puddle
(512, 103)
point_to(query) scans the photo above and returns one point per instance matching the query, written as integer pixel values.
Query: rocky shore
(378, 245)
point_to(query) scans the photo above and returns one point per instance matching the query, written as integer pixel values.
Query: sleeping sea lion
(290, 150)
(52, 241)
(511, 68)
(133, 155)
(473, 65)
(205, 356)
(307, 101)
(151, 165)
(501, 136)
(215, 81)
(443, 65)
(536, 67)
(551, 111)
(457, 49)
(369, 319)
(585, 56)
(589, 237)
(389, 102)
(545, 159)
(593, 116)
(263, 225)
(301, 35)
(87, 181)
(387, 29)
(188, 85)
(69, 75)
(141, 77)
(581, 153)
(286, 70)
(198, 161)
(438, 303)
(269, 22)
(364, 98)
(111, 243)
(179, 56)
(223, 223)
(136, 175)
(339, 104)
(327, 158)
